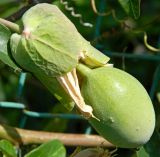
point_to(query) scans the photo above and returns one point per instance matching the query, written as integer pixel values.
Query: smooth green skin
(121, 103)
(54, 45)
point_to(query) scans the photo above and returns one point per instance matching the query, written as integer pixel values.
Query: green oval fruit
(121, 103)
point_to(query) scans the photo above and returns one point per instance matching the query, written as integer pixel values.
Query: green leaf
(142, 153)
(2, 2)
(4, 38)
(135, 7)
(152, 147)
(53, 148)
(7, 148)
(125, 5)
(131, 7)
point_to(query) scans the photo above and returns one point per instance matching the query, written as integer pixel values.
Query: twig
(18, 14)
(12, 26)
(24, 137)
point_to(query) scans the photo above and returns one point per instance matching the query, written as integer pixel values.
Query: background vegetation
(117, 32)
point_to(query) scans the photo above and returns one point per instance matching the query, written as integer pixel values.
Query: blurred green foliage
(117, 32)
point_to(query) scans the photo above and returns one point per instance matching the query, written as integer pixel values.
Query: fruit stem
(83, 69)
(12, 26)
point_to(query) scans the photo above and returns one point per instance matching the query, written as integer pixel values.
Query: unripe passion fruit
(121, 103)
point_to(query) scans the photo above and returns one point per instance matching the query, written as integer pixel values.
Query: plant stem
(22, 136)
(12, 26)
(83, 69)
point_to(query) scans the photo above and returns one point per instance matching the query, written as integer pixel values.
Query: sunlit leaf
(7, 148)
(53, 148)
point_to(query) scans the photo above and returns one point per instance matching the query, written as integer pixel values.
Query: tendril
(72, 11)
(148, 45)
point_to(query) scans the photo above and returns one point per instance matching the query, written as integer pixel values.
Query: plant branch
(18, 14)
(12, 26)
(24, 137)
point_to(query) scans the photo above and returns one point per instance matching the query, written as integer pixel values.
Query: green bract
(56, 90)
(51, 44)
(121, 103)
